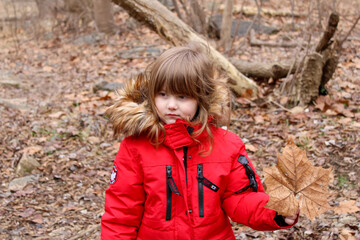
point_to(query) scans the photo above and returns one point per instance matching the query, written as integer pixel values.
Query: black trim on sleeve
(249, 173)
(279, 219)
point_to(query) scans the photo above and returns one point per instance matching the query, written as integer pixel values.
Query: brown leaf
(323, 103)
(332, 108)
(297, 109)
(339, 108)
(36, 219)
(295, 183)
(32, 149)
(347, 234)
(346, 207)
(251, 148)
(259, 119)
(57, 115)
(27, 213)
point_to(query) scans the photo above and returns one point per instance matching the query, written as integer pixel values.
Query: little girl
(178, 175)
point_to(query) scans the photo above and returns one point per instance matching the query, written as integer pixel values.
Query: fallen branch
(158, 18)
(353, 38)
(258, 43)
(262, 70)
(251, 11)
(279, 105)
(340, 42)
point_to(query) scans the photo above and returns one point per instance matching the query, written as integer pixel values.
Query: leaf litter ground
(52, 111)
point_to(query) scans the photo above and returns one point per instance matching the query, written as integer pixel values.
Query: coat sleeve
(124, 199)
(248, 207)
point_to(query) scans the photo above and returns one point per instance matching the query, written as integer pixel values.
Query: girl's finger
(289, 221)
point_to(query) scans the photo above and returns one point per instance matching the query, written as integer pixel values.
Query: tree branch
(158, 18)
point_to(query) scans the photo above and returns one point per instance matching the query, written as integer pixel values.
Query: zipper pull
(168, 171)
(200, 170)
(170, 181)
(200, 173)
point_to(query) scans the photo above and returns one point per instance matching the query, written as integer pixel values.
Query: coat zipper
(168, 193)
(170, 188)
(201, 190)
(185, 149)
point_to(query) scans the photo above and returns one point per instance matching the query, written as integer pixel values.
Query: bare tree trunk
(319, 66)
(103, 14)
(177, 9)
(197, 17)
(329, 33)
(334, 5)
(319, 12)
(292, 15)
(47, 8)
(173, 30)
(79, 13)
(225, 33)
(309, 82)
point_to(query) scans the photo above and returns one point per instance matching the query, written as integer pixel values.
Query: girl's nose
(172, 103)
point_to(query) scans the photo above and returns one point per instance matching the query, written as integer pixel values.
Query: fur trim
(131, 113)
(220, 105)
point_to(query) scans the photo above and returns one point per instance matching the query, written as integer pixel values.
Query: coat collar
(178, 134)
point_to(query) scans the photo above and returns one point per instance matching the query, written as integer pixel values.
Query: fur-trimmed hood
(131, 113)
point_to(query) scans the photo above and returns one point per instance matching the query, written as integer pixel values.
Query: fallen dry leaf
(32, 149)
(259, 119)
(57, 114)
(347, 234)
(36, 219)
(294, 183)
(331, 107)
(297, 109)
(27, 213)
(346, 207)
(251, 147)
(345, 121)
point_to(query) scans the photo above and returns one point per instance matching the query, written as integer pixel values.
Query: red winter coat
(172, 192)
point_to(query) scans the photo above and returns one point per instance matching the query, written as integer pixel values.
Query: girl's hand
(290, 220)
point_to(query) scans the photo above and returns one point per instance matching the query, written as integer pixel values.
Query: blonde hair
(187, 70)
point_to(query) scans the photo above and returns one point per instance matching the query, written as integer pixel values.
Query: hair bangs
(177, 77)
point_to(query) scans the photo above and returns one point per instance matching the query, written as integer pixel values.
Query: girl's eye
(163, 94)
(182, 97)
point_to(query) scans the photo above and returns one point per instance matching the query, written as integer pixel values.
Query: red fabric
(135, 204)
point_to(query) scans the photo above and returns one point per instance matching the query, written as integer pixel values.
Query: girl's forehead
(171, 91)
(177, 92)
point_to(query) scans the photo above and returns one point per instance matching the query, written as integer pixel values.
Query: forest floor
(52, 106)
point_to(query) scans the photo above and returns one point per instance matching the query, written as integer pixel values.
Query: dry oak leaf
(294, 183)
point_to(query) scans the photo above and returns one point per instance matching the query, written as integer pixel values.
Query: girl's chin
(170, 121)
